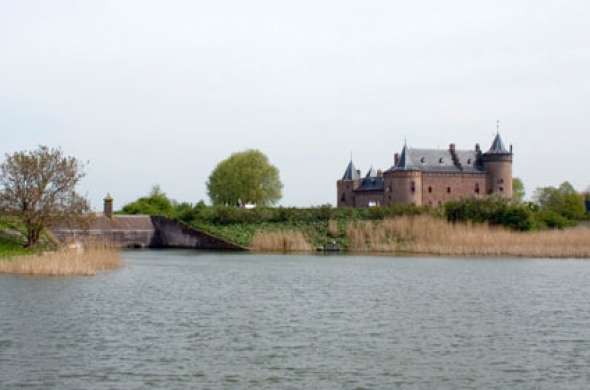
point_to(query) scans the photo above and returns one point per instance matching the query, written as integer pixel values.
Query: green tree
(156, 203)
(245, 178)
(518, 191)
(563, 200)
(39, 188)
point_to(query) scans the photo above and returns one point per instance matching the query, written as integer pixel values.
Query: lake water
(182, 319)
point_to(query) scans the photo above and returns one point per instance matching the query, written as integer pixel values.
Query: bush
(156, 203)
(494, 211)
(550, 219)
(563, 200)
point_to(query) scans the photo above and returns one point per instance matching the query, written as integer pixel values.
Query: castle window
(501, 181)
(343, 198)
(413, 187)
(469, 162)
(477, 188)
(440, 160)
(448, 190)
(422, 160)
(501, 189)
(430, 190)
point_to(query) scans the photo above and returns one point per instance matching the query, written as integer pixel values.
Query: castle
(431, 177)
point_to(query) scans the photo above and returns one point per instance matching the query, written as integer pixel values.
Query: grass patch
(316, 234)
(10, 247)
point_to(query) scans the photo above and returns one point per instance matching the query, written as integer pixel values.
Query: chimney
(379, 173)
(510, 148)
(108, 206)
(452, 148)
(477, 148)
(396, 159)
(359, 172)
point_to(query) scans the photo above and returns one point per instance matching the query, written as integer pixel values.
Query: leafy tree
(518, 191)
(563, 200)
(39, 187)
(156, 203)
(245, 178)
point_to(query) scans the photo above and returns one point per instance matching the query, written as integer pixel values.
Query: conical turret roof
(405, 161)
(498, 146)
(351, 173)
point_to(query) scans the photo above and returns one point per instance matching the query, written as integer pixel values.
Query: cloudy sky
(157, 92)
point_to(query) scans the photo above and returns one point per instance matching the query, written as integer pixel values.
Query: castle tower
(108, 206)
(497, 162)
(345, 187)
(403, 183)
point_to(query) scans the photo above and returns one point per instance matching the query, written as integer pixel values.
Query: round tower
(403, 187)
(497, 162)
(403, 183)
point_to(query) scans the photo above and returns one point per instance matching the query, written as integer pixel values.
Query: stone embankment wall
(143, 232)
(173, 234)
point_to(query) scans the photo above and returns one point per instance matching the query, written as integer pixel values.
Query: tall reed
(429, 235)
(64, 262)
(280, 241)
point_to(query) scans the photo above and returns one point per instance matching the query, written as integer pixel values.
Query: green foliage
(563, 200)
(518, 191)
(550, 219)
(495, 211)
(245, 178)
(156, 203)
(11, 247)
(12, 234)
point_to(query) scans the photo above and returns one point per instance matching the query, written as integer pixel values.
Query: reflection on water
(180, 319)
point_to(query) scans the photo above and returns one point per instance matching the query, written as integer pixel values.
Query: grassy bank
(10, 247)
(63, 262)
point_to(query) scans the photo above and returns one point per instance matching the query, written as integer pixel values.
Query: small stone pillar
(108, 206)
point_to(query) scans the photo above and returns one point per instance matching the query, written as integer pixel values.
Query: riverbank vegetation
(526, 227)
(429, 235)
(47, 258)
(85, 261)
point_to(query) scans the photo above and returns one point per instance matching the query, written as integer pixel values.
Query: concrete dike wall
(141, 231)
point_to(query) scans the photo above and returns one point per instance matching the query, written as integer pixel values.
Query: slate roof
(351, 173)
(437, 160)
(498, 146)
(371, 184)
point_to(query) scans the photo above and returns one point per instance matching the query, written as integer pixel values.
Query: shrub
(495, 211)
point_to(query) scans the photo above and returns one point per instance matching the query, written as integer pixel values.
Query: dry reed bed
(64, 262)
(429, 235)
(280, 241)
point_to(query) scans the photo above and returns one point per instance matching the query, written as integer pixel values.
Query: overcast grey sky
(157, 92)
